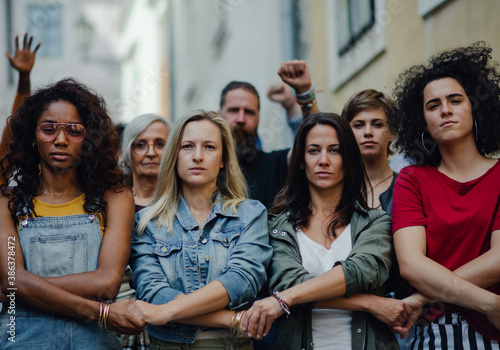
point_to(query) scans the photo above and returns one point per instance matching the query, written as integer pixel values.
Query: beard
(246, 143)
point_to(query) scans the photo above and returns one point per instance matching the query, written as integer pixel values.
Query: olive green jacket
(366, 269)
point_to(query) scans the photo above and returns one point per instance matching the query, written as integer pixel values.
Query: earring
(39, 169)
(423, 144)
(475, 125)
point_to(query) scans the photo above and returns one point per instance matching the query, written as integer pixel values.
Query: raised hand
(296, 74)
(24, 58)
(282, 93)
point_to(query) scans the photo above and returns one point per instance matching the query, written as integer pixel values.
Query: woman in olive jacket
(332, 254)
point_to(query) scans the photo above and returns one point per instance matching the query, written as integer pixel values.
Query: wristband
(306, 97)
(283, 305)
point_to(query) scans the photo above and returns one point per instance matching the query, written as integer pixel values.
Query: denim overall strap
(59, 246)
(53, 247)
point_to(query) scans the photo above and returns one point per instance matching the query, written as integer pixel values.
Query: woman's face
(322, 161)
(447, 111)
(61, 153)
(372, 132)
(200, 155)
(147, 149)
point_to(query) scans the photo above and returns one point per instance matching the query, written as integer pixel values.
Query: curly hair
(295, 196)
(97, 170)
(472, 68)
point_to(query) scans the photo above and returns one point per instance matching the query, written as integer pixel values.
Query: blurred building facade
(172, 56)
(349, 45)
(359, 44)
(144, 50)
(214, 42)
(77, 41)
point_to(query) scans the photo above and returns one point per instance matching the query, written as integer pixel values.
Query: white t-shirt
(329, 327)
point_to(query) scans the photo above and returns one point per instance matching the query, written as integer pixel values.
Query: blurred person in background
(371, 116)
(265, 172)
(22, 61)
(143, 142)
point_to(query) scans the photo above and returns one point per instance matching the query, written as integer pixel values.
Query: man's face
(241, 111)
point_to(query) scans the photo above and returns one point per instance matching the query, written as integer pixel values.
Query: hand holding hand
(416, 305)
(392, 312)
(494, 314)
(296, 74)
(24, 58)
(152, 314)
(257, 321)
(122, 320)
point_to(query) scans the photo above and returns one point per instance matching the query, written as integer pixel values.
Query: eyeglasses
(141, 148)
(74, 132)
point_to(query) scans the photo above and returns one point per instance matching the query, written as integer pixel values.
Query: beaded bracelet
(284, 306)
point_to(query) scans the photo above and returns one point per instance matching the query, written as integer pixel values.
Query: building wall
(215, 42)
(143, 50)
(410, 39)
(95, 65)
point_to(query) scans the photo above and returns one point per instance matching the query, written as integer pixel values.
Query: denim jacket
(232, 248)
(366, 269)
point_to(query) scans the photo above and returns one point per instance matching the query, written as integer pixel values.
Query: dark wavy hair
(295, 197)
(97, 170)
(471, 67)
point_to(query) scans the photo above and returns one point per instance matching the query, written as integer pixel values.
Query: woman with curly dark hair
(66, 224)
(446, 214)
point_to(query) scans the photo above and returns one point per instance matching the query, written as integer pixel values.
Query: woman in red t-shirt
(446, 215)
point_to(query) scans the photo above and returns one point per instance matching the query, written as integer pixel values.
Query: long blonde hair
(230, 182)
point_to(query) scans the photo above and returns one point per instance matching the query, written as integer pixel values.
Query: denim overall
(57, 246)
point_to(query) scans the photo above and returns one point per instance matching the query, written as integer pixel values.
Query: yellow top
(74, 207)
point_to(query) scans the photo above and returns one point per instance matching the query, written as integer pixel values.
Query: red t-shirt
(459, 218)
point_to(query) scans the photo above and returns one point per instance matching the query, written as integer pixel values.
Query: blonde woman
(201, 247)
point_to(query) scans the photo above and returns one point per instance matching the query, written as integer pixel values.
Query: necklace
(384, 180)
(59, 193)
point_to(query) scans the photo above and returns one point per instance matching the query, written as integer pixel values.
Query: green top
(366, 269)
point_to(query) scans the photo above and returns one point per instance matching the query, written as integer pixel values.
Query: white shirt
(329, 327)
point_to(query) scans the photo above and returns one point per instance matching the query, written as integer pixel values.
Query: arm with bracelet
(296, 74)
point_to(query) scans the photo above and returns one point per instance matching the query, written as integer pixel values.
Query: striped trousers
(453, 333)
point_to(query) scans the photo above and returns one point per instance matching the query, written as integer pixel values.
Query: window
(427, 6)
(356, 35)
(354, 18)
(44, 22)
